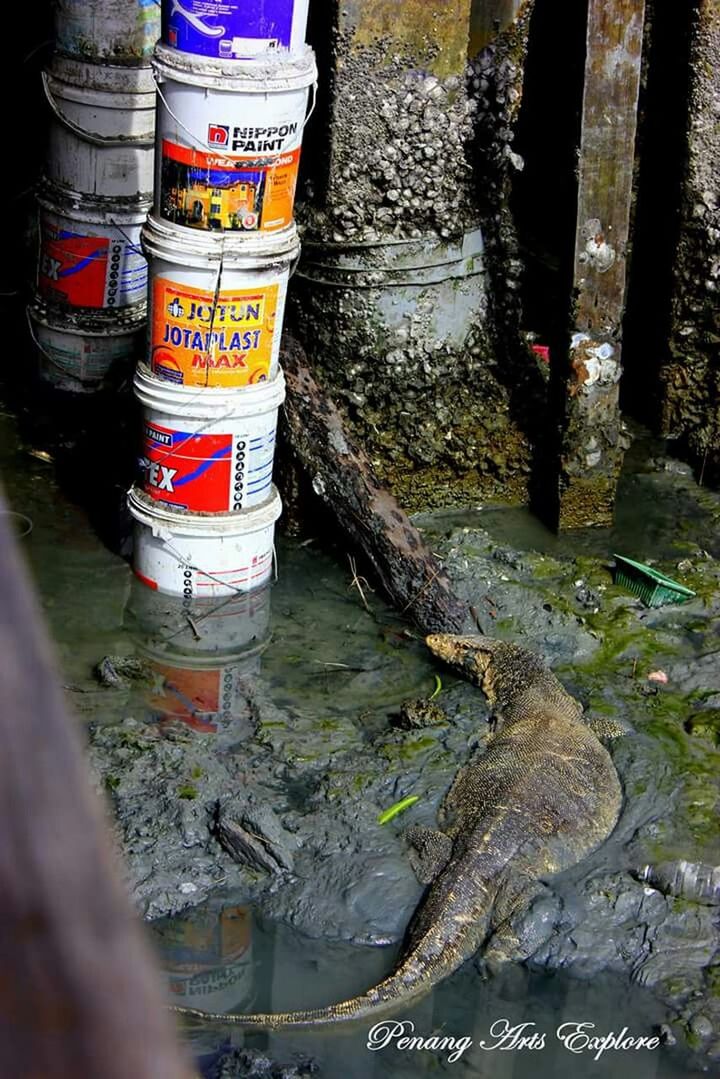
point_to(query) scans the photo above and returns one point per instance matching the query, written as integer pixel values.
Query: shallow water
(280, 970)
(331, 661)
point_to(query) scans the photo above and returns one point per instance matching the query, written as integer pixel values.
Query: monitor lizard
(541, 796)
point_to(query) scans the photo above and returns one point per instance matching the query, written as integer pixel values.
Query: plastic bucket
(208, 451)
(101, 138)
(229, 138)
(234, 29)
(190, 555)
(76, 352)
(90, 254)
(216, 307)
(105, 30)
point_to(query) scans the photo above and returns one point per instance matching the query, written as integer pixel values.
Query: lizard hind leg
(430, 852)
(514, 938)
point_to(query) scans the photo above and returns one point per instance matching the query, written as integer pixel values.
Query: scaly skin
(542, 796)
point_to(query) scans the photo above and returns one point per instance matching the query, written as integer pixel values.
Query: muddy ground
(312, 748)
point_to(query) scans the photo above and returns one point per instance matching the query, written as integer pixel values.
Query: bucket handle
(194, 139)
(86, 136)
(306, 121)
(43, 352)
(164, 535)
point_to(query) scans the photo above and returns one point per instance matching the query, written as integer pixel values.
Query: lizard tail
(435, 955)
(386, 997)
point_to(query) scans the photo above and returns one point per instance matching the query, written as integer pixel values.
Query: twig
(423, 589)
(355, 583)
(476, 620)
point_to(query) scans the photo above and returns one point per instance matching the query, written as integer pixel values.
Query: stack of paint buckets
(233, 81)
(89, 311)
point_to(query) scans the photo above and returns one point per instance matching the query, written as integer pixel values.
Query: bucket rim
(296, 71)
(205, 661)
(211, 402)
(91, 210)
(103, 75)
(194, 248)
(204, 526)
(102, 322)
(104, 98)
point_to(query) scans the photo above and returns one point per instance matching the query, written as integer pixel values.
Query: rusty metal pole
(592, 439)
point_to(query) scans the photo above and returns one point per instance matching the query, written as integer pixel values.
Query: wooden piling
(592, 440)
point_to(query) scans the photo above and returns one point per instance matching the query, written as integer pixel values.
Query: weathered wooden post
(592, 439)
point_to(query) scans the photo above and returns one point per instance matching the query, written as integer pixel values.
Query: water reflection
(201, 656)
(207, 956)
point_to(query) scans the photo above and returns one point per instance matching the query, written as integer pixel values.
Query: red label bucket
(90, 255)
(208, 452)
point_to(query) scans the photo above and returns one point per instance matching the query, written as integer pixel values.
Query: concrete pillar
(391, 298)
(691, 378)
(593, 440)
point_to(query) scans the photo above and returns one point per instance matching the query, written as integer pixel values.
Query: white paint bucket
(78, 351)
(90, 254)
(101, 139)
(234, 29)
(229, 138)
(206, 555)
(208, 450)
(107, 31)
(216, 304)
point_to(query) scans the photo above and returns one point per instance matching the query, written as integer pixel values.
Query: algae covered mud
(248, 754)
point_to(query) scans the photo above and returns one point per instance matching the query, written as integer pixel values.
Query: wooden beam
(341, 474)
(78, 992)
(593, 442)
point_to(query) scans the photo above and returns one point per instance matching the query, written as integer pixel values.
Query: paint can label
(229, 29)
(207, 473)
(200, 338)
(215, 192)
(90, 271)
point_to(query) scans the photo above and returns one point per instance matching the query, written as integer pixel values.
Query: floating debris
(684, 880)
(654, 588)
(398, 807)
(438, 688)
(658, 676)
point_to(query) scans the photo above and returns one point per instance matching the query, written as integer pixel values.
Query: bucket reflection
(202, 656)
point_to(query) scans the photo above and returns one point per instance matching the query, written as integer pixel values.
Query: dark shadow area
(544, 196)
(315, 158)
(91, 437)
(661, 153)
(544, 205)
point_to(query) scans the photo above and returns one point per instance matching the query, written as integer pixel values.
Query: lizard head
(471, 656)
